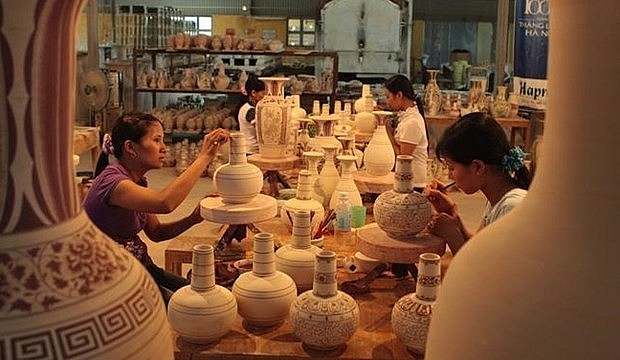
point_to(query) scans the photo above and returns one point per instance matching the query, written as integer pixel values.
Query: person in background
(479, 158)
(120, 202)
(410, 135)
(253, 91)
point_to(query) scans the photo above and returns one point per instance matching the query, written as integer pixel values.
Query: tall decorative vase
(365, 121)
(411, 315)
(329, 174)
(551, 272)
(297, 258)
(324, 318)
(238, 182)
(202, 312)
(379, 154)
(264, 295)
(272, 119)
(297, 113)
(313, 158)
(475, 95)
(303, 201)
(67, 290)
(303, 139)
(324, 132)
(346, 182)
(402, 212)
(432, 94)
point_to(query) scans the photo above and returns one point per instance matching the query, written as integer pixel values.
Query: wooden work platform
(272, 170)
(373, 184)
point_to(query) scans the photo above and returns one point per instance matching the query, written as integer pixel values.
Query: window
(201, 24)
(301, 32)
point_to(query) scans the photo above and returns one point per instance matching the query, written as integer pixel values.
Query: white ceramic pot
(402, 212)
(303, 201)
(379, 154)
(202, 312)
(297, 258)
(411, 314)
(329, 174)
(365, 121)
(272, 119)
(238, 182)
(324, 318)
(264, 295)
(346, 182)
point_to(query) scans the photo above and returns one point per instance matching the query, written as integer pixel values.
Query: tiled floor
(470, 207)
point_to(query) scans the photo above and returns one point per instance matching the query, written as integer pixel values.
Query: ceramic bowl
(364, 263)
(243, 265)
(318, 242)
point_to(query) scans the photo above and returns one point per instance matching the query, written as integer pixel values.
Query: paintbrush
(445, 188)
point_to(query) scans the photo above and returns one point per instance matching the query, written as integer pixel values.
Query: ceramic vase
(68, 291)
(402, 212)
(202, 312)
(329, 174)
(475, 95)
(303, 139)
(297, 258)
(359, 104)
(379, 154)
(432, 94)
(500, 107)
(412, 313)
(548, 267)
(348, 148)
(221, 80)
(313, 158)
(324, 132)
(365, 121)
(272, 119)
(513, 100)
(346, 183)
(324, 318)
(303, 201)
(264, 295)
(238, 182)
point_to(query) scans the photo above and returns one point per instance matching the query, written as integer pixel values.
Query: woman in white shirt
(479, 158)
(254, 91)
(410, 136)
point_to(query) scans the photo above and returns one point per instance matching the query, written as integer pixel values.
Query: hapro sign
(531, 49)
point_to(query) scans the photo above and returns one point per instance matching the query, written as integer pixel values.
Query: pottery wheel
(273, 164)
(375, 243)
(261, 208)
(373, 184)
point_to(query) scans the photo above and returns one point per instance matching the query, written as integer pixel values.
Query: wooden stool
(271, 168)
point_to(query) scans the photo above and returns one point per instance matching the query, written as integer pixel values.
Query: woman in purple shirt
(120, 202)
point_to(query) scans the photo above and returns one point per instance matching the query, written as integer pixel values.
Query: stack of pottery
(346, 182)
(324, 318)
(264, 295)
(297, 258)
(202, 312)
(402, 212)
(303, 201)
(411, 315)
(379, 154)
(272, 119)
(432, 94)
(238, 181)
(329, 174)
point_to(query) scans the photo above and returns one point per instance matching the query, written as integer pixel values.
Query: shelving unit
(237, 60)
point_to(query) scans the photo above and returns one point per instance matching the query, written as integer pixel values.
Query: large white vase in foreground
(67, 291)
(543, 282)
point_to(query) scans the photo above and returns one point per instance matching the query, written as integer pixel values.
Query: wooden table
(514, 123)
(86, 138)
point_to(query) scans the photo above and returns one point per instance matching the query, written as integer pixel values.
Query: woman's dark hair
(253, 83)
(401, 83)
(129, 126)
(479, 136)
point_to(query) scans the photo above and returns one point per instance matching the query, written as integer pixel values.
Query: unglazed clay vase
(324, 318)
(359, 104)
(313, 158)
(238, 181)
(379, 154)
(432, 94)
(221, 80)
(297, 258)
(202, 312)
(412, 313)
(346, 182)
(365, 121)
(402, 212)
(329, 174)
(324, 132)
(547, 271)
(264, 295)
(303, 201)
(67, 291)
(272, 119)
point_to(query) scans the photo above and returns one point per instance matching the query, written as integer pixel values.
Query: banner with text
(531, 47)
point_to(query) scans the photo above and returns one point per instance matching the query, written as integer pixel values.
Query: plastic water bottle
(343, 213)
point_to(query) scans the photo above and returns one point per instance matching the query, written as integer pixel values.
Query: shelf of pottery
(220, 64)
